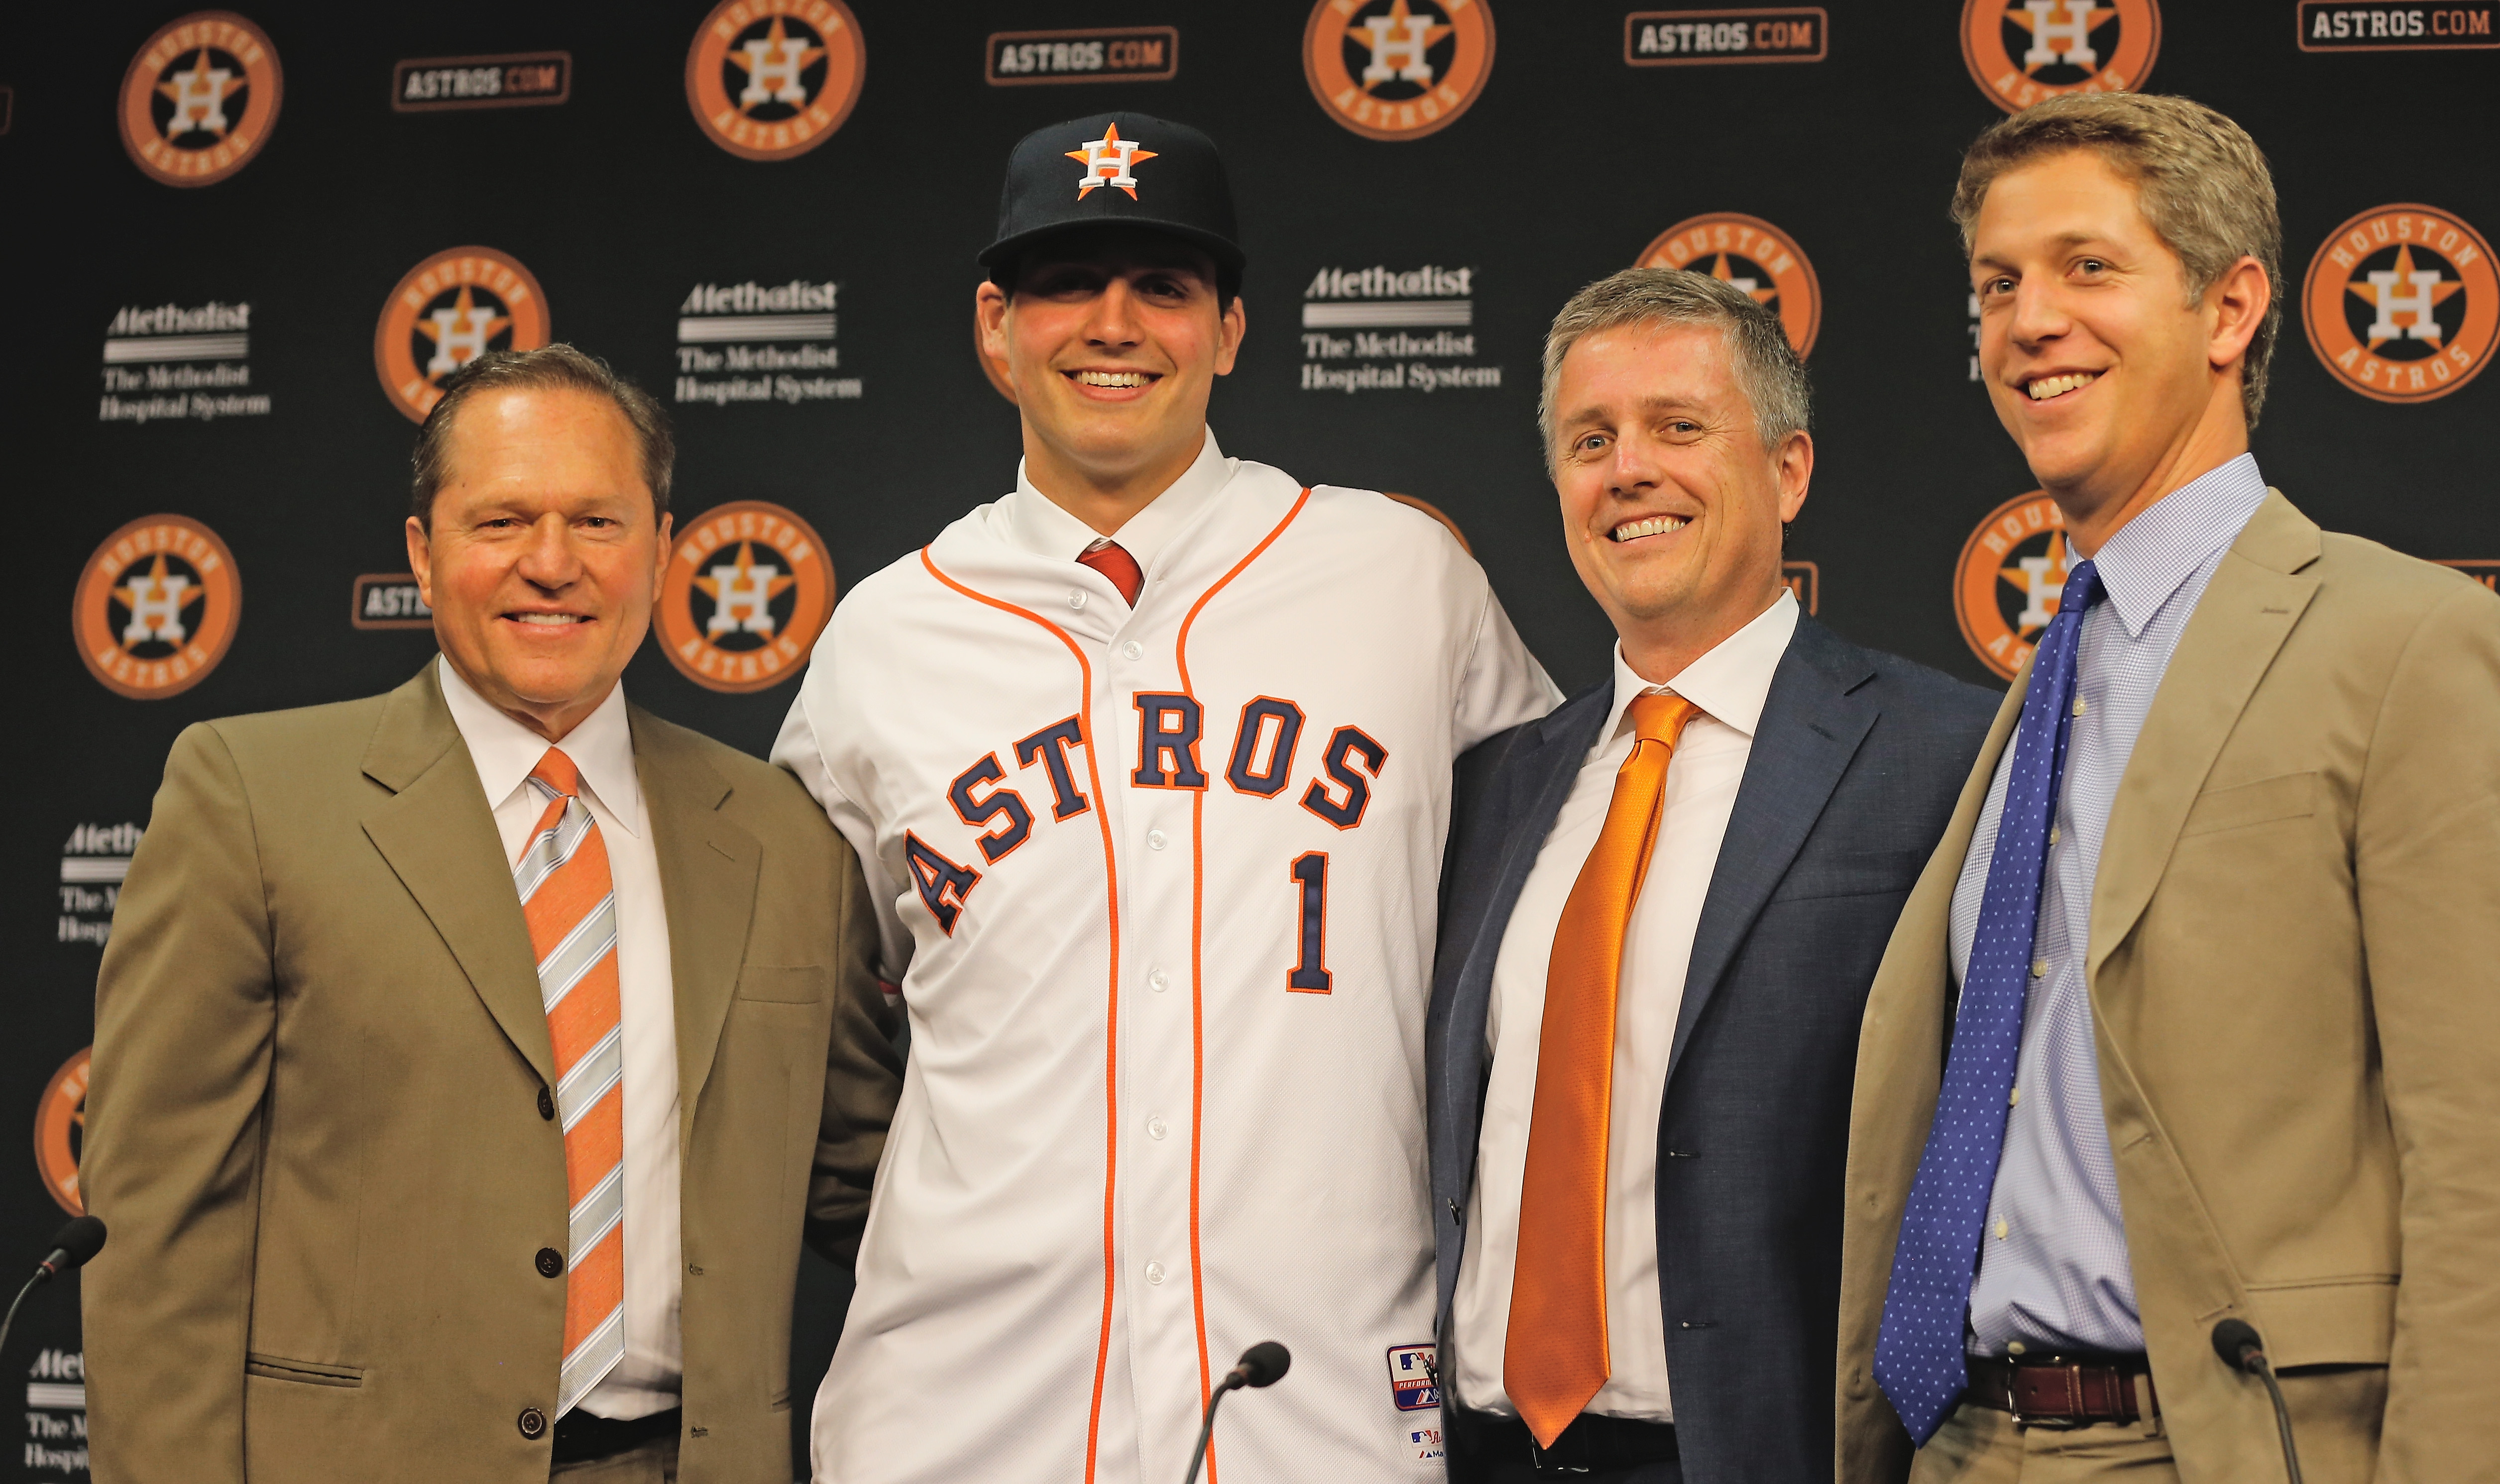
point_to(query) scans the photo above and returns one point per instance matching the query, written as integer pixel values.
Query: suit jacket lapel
(707, 873)
(1810, 727)
(439, 835)
(2247, 612)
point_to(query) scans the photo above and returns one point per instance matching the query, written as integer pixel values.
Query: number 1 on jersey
(1310, 975)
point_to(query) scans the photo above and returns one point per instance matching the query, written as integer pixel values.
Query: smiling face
(1671, 506)
(2115, 380)
(1112, 340)
(545, 553)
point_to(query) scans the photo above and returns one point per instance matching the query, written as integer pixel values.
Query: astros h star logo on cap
(1108, 161)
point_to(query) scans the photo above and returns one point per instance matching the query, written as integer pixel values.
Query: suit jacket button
(533, 1423)
(546, 1105)
(550, 1265)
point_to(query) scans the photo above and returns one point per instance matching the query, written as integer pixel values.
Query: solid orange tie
(1556, 1357)
(1112, 561)
(568, 900)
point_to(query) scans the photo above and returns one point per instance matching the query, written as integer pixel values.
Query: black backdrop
(1567, 166)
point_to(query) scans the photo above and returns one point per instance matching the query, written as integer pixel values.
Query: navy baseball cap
(1117, 169)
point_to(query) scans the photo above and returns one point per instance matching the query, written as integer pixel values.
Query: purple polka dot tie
(1919, 1353)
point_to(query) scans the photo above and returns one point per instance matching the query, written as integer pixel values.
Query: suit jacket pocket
(1851, 873)
(278, 1367)
(784, 984)
(2289, 796)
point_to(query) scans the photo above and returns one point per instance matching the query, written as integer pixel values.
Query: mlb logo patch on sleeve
(1414, 1382)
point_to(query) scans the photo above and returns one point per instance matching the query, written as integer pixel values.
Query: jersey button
(1160, 980)
(1155, 839)
(1156, 1128)
(1153, 1272)
(1076, 598)
(1134, 650)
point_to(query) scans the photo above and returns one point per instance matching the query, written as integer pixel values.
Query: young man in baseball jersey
(1150, 763)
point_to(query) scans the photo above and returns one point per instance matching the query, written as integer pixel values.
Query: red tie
(1105, 556)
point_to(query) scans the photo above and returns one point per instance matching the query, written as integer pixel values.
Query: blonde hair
(2200, 180)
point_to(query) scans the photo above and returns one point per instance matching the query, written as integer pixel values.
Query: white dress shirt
(1728, 685)
(1034, 521)
(504, 752)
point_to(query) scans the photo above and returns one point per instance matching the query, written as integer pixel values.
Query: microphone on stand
(2237, 1342)
(1263, 1363)
(72, 1245)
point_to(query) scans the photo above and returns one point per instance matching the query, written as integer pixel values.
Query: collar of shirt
(1036, 523)
(503, 751)
(1730, 682)
(2144, 562)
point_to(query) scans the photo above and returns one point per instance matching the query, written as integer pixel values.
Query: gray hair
(1768, 369)
(549, 367)
(2200, 182)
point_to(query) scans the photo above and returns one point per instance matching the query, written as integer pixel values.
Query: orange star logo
(199, 97)
(1109, 161)
(1720, 270)
(741, 594)
(155, 599)
(2406, 292)
(470, 329)
(1398, 41)
(772, 67)
(2081, 18)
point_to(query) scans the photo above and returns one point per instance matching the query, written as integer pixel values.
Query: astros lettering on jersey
(1159, 888)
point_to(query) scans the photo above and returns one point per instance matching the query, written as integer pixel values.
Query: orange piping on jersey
(1196, 943)
(1112, 1035)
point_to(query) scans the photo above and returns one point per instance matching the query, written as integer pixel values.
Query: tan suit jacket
(2295, 934)
(314, 1126)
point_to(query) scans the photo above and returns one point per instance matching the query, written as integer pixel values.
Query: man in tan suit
(470, 1058)
(2191, 1019)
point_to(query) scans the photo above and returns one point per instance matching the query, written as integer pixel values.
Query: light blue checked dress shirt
(2053, 1265)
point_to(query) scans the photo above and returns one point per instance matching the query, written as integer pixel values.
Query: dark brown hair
(549, 367)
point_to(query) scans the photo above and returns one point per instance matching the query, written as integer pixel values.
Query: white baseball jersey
(1159, 888)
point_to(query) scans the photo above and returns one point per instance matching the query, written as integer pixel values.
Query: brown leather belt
(2054, 1391)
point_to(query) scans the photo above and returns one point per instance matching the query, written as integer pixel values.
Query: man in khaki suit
(470, 1058)
(2192, 1018)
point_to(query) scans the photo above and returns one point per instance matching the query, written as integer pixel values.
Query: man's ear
(1229, 327)
(420, 559)
(660, 555)
(1794, 463)
(2237, 305)
(990, 320)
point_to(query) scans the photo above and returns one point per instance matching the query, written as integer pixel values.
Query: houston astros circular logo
(2020, 52)
(156, 606)
(200, 99)
(1756, 257)
(748, 587)
(450, 310)
(61, 1132)
(768, 80)
(1397, 68)
(2402, 303)
(2007, 582)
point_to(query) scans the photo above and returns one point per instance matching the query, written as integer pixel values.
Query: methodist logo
(450, 310)
(1755, 256)
(2402, 303)
(200, 99)
(2020, 52)
(770, 80)
(61, 1132)
(156, 606)
(1397, 68)
(2006, 585)
(747, 590)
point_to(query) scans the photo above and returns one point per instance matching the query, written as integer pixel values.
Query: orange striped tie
(1556, 1358)
(569, 903)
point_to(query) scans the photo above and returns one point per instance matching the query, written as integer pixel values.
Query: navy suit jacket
(1855, 766)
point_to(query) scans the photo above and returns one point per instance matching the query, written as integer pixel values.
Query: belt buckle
(2074, 1395)
(1540, 1460)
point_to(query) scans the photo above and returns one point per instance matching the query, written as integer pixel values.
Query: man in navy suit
(1665, 901)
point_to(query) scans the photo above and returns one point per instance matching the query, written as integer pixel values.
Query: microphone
(1263, 1363)
(72, 1245)
(2237, 1342)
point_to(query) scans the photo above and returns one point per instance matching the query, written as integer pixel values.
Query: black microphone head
(1265, 1363)
(81, 1238)
(2233, 1339)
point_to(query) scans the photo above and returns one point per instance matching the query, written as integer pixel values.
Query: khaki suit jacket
(2295, 932)
(314, 1127)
